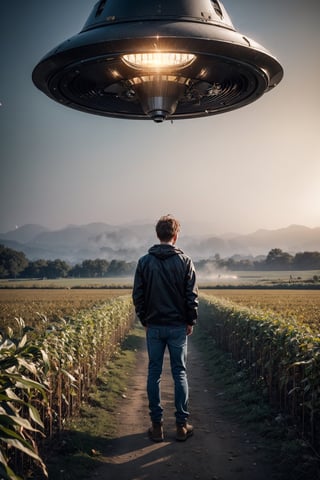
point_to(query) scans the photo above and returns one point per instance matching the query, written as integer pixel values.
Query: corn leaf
(6, 420)
(34, 415)
(6, 472)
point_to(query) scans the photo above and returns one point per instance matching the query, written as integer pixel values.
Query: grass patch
(77, 451)
(246, 403)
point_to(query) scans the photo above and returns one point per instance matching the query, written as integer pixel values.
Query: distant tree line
(14, 264)
(275, 260)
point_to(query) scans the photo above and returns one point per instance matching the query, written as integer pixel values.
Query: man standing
(165, 296)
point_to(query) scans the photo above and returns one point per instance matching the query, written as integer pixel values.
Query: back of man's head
(167, 228)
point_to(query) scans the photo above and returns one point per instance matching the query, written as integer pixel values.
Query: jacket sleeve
(191, 293)
(138, 296)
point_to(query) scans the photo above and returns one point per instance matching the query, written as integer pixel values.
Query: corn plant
(302, 306)
(78, 349)
(45, 375)
(277, 352)
(20, 390)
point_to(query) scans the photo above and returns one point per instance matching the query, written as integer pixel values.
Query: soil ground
(219, 449)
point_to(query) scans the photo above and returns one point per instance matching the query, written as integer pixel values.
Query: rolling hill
(75, 243)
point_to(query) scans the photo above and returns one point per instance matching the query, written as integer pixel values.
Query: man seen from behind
(165, 296)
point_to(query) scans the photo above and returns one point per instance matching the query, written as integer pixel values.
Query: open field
(258, 338)
(254, 278)
(63, 297)
(215, 279)
(47, 374)
(302, 305)
(103, 282)
(53, 303)
(64, 300)
(279, 354)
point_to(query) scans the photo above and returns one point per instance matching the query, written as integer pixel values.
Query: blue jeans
(175, 338)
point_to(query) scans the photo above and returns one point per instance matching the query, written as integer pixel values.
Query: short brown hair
(167, 227)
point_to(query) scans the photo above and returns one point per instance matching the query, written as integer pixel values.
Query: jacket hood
(164, 250)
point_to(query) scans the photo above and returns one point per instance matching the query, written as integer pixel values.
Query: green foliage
(12, 263)
(281, 356)
(278, 260)
(245, 402)
(307, 260)
(22, 365)
(78, 349)
(36, 269)
(56, 269)
(275, 260)
(102, 268)
(78, 448)
(91, 268)
(61, 358)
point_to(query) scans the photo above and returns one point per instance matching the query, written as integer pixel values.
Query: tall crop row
(280, 355)
(46, 374)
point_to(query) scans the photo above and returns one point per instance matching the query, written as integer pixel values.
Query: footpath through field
(219, 449)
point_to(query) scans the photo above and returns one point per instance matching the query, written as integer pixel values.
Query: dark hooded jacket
(164, 290)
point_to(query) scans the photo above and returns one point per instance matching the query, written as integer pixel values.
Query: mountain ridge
(75, 243)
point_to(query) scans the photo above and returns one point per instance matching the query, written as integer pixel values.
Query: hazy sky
(256, 167)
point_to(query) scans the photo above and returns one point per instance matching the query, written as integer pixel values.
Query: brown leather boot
(184, 431)
(156, 432)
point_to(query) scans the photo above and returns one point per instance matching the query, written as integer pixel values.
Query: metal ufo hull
(88, 71)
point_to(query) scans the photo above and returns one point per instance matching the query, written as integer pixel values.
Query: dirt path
(219, 450)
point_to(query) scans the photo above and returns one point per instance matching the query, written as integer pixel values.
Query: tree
(36, 269)
(278, 260)
(101, 267)
(90, 268)
(120, 267)
(76, 271)
(11, 262)
(87, 268)
(57, 269)
(307, 261)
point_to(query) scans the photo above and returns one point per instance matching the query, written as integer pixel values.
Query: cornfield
(54, 342)
(47, 372)
(54, 303)
(303, 306)
(281, 355)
